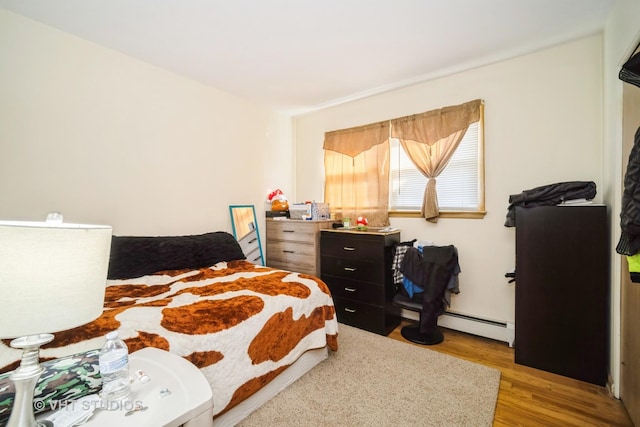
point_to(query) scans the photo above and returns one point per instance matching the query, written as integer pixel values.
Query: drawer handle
(350, 289)
(288, 231)
(253, 240)
(349, 269)
(289, 252)
(348, 248)
(349, 310)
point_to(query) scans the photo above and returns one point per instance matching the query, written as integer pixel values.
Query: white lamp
(52, 277)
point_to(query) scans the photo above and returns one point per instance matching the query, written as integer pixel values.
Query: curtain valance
(431, 126)
(354, 141)
(426, 128)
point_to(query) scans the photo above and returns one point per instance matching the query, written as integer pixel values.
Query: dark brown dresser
(356, 265)
(562, 290)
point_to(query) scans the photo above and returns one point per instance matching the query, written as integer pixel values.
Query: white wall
(105, 138)
(543, 124)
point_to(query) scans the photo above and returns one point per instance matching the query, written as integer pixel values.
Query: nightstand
(175, 394)
(356, 265)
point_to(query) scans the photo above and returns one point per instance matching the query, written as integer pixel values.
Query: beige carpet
(377, 381)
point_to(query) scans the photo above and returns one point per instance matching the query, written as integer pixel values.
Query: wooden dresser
(356, 265)
(294, 244)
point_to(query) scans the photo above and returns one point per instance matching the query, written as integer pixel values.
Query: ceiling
(301, 55)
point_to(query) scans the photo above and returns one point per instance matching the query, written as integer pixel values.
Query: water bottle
(114, 369)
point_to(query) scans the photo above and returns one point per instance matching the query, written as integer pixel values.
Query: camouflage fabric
(63, 379)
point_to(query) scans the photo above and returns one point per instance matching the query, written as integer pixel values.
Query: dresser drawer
(292, 231)
(293, 266)
(353, 246)
(365, 292)
(354, 269)
(360, 315)
(293, 245)
(292, 255)
(255, 256)
(249, 242)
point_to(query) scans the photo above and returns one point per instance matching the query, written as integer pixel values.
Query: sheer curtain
(356, 163)
(430, 139)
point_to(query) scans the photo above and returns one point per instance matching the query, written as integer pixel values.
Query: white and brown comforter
(241, 324)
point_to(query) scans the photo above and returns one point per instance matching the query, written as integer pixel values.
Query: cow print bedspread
(241, 324)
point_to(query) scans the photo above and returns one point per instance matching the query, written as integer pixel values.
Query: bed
(252, 330)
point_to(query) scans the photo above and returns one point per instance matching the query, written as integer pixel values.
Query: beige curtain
(430, 139)
(356, 163)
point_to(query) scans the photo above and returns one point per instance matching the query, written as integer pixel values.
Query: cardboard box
(309, 211)
(299, 211)
(320, 211)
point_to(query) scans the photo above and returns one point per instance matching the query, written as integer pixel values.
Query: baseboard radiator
(500, 331)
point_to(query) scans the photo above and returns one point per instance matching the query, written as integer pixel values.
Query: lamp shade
(52, 276)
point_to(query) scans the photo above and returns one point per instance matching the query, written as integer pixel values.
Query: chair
(433, 269)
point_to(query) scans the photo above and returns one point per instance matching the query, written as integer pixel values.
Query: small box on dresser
(356, 265)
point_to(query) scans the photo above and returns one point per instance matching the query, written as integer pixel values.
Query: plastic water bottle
(114, 369)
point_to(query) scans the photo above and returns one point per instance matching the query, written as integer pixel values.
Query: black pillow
(133, 256)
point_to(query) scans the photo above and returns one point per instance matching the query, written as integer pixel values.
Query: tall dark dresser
(562, 290)
(356, 265)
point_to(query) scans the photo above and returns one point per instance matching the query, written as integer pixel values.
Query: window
(445, 143)
(459, 186)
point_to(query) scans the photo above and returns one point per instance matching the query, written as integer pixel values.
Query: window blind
(457, 185)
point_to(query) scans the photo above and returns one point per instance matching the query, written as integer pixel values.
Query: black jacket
(629, 242)
(433, 270)
(549, 195)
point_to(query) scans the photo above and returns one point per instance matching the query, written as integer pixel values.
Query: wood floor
(530, 397)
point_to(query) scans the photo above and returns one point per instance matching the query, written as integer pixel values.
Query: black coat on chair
(432, 270)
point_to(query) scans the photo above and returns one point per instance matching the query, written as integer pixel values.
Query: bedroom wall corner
(106, 138)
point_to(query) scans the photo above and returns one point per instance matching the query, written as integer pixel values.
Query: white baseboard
(500, 331)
